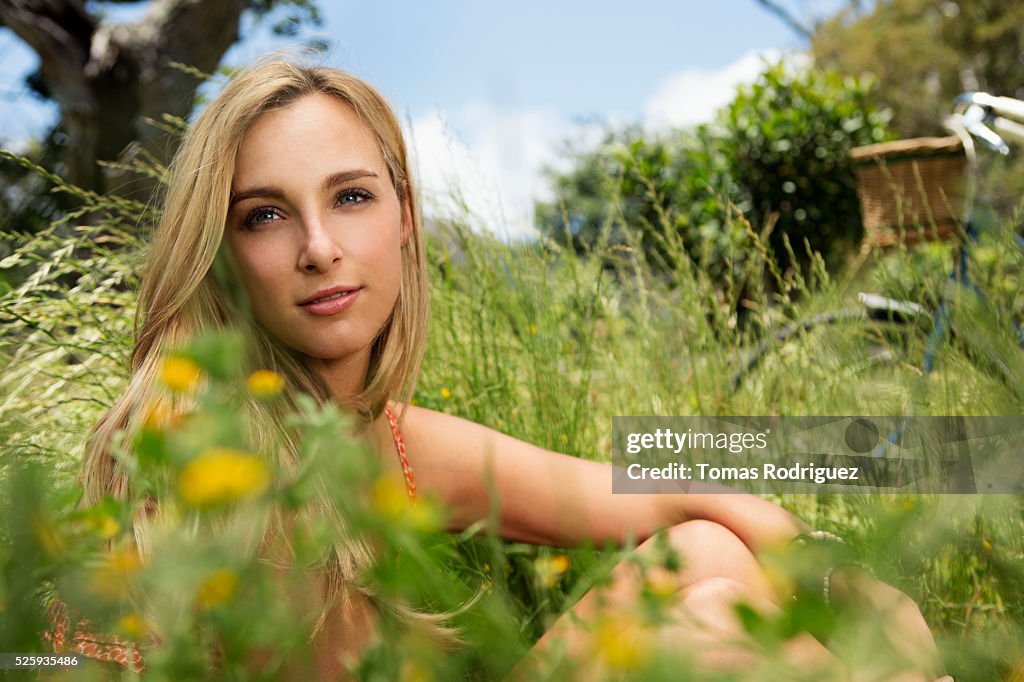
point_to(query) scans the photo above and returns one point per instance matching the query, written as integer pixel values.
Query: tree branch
(782, 13)
(60, 32)
(110, 77)
(193, 32)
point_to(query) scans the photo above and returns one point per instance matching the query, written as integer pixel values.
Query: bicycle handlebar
(1000, 106)
(975, 112)
(1010, 129)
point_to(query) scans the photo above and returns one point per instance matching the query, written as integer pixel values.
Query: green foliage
(535, 341)
(788, 138)
(25, 201)
(658, 189)
(922, 54)
(778, 155)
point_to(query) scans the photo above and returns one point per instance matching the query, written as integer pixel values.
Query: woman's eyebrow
(332, 180)
(268, 192)
(335, 179)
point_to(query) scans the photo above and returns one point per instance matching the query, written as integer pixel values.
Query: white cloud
(486, 162)
(692, 96)
(489, 161)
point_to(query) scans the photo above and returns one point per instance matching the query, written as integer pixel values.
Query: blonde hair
(182, 294)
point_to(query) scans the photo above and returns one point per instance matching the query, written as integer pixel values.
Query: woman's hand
(900, 627)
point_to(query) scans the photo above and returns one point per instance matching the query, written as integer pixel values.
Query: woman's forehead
(314, 132)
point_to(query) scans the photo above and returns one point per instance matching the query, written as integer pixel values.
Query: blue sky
(490, 89)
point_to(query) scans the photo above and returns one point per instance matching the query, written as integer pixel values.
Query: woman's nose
(320, 249)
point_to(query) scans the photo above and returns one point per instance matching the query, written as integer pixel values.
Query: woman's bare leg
(706, 622)
(901, 636)
(717, 571)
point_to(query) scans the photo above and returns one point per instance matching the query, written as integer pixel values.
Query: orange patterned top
(81, 638)
(410, 484)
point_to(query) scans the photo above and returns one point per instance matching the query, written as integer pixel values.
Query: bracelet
(826, 585)
(817, 536)
(826, 580)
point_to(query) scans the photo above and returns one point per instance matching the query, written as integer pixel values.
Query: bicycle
(976, 115)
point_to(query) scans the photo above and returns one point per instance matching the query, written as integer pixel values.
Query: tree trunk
(109, 78)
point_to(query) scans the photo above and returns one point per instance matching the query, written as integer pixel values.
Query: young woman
(297, 180)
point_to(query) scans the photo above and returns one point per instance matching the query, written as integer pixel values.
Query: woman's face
(316, 229)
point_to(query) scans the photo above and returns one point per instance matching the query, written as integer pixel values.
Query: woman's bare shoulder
(430, 434)
(419, 422)
(446, 455)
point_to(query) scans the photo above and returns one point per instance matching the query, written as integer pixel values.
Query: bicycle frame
(979, 115)
(988, 118)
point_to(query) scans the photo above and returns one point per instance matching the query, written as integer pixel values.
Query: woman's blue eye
(266, 214)
(260, 215)
(354, 196)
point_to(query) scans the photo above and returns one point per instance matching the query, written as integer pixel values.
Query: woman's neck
(344, 377)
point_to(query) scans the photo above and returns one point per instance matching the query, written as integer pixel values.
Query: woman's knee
(714, 593)
(699, 534)
(708, 550)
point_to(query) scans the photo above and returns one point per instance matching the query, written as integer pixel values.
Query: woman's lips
(332, 305)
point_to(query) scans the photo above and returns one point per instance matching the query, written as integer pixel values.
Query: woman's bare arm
(544, 497)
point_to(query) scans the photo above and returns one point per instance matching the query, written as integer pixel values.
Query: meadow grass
(547, 345)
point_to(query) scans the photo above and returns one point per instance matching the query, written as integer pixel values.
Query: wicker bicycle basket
(910, 189)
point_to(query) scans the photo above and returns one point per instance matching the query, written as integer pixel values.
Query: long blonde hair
(182, 294)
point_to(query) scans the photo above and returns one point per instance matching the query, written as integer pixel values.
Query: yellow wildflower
(133, 626)
(159, 416)
(106, 526)
(222, 475)
(445, 393)
(264, 383)
(414, 671)
(986, 545)
(48, 536)
(779, 573)
(125, 561)
(622, 642)
(423, 516)
(391, 500)
(180, 374)
(111, 577)
(533, 329)
(218, 588)
(550, 569)
(661, 582)
(389, 496)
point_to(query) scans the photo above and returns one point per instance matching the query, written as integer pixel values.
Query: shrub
(787, 138)
(670, 193)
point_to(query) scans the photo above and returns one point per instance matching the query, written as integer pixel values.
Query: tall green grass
(546, 345)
